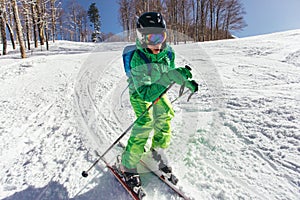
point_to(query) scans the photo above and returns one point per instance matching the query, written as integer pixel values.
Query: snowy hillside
(239, 138)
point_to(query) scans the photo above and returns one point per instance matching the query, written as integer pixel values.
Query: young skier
(146, 84)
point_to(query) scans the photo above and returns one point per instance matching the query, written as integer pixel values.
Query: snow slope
(237, 139)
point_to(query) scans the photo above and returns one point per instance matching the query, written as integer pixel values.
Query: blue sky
(269, 16)
(109, 14)
(263, 16)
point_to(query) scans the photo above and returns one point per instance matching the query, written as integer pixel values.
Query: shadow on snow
(106, 188)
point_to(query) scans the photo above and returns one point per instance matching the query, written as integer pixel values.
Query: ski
(170, 181)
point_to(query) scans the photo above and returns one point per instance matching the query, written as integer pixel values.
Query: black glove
(192, 85)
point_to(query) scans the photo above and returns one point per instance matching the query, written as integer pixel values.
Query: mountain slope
(238, 138)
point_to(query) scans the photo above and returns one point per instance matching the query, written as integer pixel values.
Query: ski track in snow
(262, 110)
(237, 139)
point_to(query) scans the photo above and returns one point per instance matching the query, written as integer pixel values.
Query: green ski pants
(157, 119)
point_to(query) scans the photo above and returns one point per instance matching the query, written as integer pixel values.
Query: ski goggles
(155, 38)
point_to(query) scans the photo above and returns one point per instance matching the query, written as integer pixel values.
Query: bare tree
(53, 19)
(127, 17)
(211, 18)
(171, 17)
(73, 7)
(61, 23)
(34, 22)
(234, 17)
(124, 13)
(19, 28)
(45, 21)
(2, 27)
(184, 18)
(203, 18)
(140, 6)
(220, 8)
(82, 24)
(40, 21)
(10, 23)
(26, 13)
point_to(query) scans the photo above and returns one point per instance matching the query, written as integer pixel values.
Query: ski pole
(85, 173)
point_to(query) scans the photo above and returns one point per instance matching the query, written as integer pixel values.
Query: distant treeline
(200, 20)
(30, 23)
(35, 22)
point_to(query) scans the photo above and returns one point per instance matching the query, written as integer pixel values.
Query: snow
(238, 138)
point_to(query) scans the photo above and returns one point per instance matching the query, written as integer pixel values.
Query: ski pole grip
(188, 67)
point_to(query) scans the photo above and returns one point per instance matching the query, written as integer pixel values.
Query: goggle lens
(156, 38)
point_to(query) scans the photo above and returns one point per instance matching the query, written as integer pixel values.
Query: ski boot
(167, 170)
(131, 178)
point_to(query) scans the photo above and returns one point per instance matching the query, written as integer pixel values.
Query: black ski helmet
(150, 22)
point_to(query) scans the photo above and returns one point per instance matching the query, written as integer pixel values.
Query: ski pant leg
(162, 114)
(139, 134)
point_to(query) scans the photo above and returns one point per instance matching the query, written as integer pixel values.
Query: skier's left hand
(192, 85)
(180, 75)
(185, 72)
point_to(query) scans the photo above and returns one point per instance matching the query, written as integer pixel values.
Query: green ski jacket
(150, 84)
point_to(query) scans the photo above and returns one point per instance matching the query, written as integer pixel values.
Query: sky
(109, 10)
(262, 16)
(269, 16)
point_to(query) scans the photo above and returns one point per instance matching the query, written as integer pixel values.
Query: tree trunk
(3, 37)
(28, 34)
(211, 11)
(203, 20)
(8, 24)
(45, 27)
(53, 19)
(11, 34)
(19, 28)
(47, 37)
(34, 21)
(218, 15)
(60, 22)
(3, 28)
(28, 30)
(40, 22)
(183, 20)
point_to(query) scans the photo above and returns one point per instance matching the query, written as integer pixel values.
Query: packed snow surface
(238, 138)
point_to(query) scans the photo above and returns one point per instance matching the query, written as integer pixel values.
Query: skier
(145, 86)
